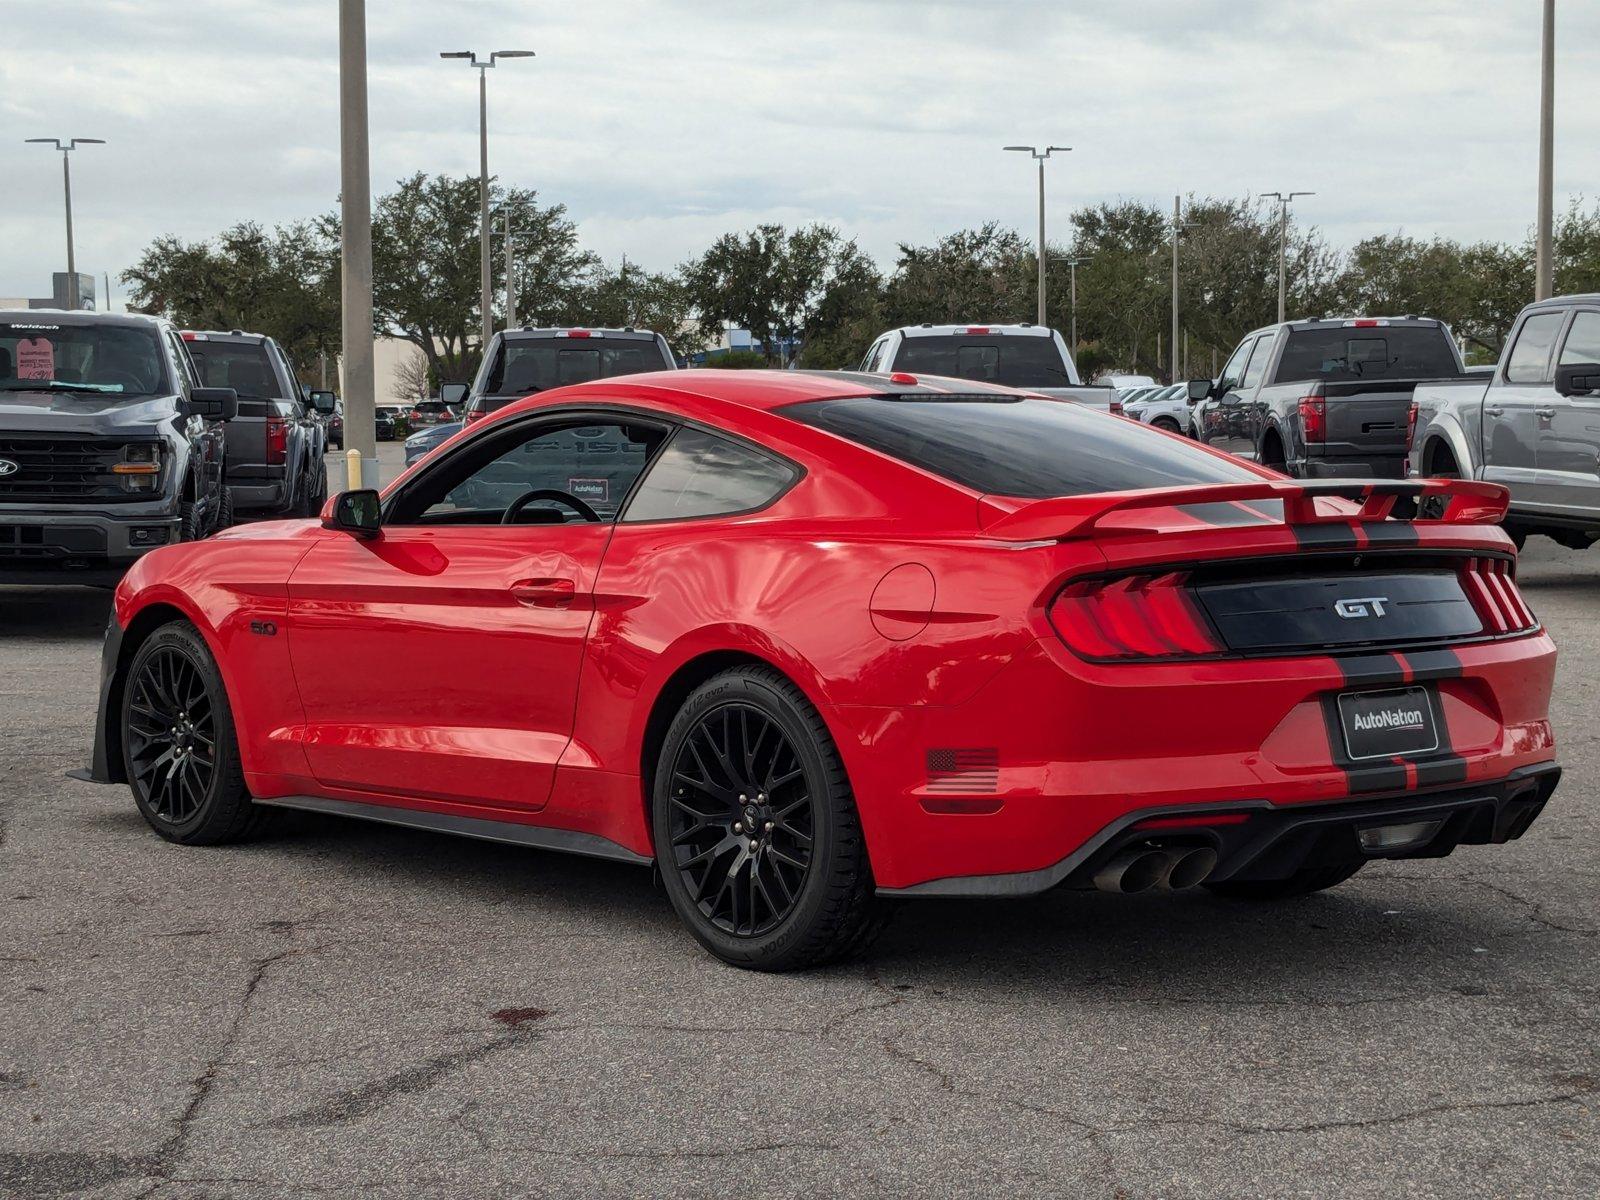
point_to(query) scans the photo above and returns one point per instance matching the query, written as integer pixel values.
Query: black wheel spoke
(171, 734)
(722, 819)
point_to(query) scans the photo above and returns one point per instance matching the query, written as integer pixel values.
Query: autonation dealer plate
(1384, 724)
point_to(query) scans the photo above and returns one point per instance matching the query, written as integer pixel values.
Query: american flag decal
(966, 772)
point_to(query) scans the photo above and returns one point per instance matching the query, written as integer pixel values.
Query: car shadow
(53, 613)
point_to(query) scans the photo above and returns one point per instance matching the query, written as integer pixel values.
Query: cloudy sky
(661, 123)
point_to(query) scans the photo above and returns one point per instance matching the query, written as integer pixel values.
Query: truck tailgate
(245, 444)
(1367, 419)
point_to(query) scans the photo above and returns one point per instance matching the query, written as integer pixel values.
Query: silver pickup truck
(1532, 425)
(1030, 357)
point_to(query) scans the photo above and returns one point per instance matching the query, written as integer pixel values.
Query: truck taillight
(277, 441)
(1140, 616)
(1411, 426)
(1314, 418)
(1494, 593)
(1116, 408)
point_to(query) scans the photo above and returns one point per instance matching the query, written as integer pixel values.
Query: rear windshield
(107, 359)
(527, 365)
(1019, 361)
(1373, 352)
(1020, 447)
(242, 366)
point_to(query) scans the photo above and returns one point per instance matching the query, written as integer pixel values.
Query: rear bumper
(1272, 842)
(1355, 467)
(1075, 749)
(269, 496)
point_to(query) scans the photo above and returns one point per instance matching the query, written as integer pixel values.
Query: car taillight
(1314, 418)
(277, 441)
(1116, 408)
(1141, 616)
(1411, 426)
(471, 415)
(1494, 593)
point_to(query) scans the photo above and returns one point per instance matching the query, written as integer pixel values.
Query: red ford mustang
(811, 640)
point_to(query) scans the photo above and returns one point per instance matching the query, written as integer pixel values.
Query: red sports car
(810, 640)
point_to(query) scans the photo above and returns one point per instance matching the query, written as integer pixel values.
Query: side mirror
(1199, 389)
(453, 393)
(213, 403)
(323, 402)
(356, 513)
(1578, 379)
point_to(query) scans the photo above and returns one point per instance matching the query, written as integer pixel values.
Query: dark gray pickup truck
(109, 445)
(275, 444)
(1324, 399)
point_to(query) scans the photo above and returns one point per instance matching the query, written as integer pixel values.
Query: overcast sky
(662, 124)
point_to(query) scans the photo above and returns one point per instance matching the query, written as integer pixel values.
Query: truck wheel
(179, 744)
(1272, 455)
(756, 831)
(1167, 424)
(1302, 883)
(313, 489)
(225, 516)
(190, 528)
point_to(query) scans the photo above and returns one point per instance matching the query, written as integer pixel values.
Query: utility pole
(511, 276)
(485, 271)
(355, 238)
(1041, 155)
(72, 144)
(1072, 262)
(1284, 200)
(1544, 250)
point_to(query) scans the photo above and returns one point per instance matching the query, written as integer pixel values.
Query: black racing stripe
(1371, 670)
(1432, 664)
(1223, 513)
(1377, 777)
(1391, 533)
(1444, 765)
(1363, 671)
(1336, 536)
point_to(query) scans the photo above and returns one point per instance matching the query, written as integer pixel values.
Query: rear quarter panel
(1449, 414)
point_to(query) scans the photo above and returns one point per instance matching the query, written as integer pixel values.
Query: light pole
(1178, 226)
(1543, 255)
(484, 271)
(1041, 155)
(66, 183)
(355, 242)
(1072, 261)
(1284, 200)
(509, 240)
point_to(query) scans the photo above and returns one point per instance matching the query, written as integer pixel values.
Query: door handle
(1494, 410)
(1544, 412)
(544, 593)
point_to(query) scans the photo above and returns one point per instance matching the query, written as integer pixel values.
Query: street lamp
(1284, 200)
(484, 272)
(1041, 155)
(1178, 226)
(66, 181)
(1543, 255)
(1072, 261)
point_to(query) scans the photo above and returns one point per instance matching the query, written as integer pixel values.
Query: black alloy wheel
(178, 743)
(743, 822)
(756, 832)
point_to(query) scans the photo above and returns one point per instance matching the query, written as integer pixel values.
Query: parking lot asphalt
(349, 1008)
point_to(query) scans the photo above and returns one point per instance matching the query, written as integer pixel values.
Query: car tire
(1166, 425)
(189, 784)
(805, 895)
(225, 513)
(313, 490)
(1302, 883)
(190, 527)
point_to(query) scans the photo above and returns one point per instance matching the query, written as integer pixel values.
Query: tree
(413, 378)
(283, 283)
(632, 297)
(983, 274)
(771, 281)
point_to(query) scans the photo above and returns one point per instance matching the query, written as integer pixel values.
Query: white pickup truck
(1532, 425)
(1031, 357)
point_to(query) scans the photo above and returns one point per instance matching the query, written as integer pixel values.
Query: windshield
(528, 365)
(1011, 361)
(242, 366)
(1020, 447)
(110, 359)
(1367, 352)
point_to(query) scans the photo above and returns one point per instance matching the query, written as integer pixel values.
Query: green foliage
(636, 298)
(737, 360)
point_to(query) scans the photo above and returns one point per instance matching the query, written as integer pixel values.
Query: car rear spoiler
(1425, 501)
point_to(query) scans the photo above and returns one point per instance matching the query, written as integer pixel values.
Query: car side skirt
(538, 837)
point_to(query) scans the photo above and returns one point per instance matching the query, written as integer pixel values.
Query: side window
(1257, 368)
(479, 482)
(874, 359)
(1530, 356)
(702, 475)
(182, 365)
(1234, 371)
(1583, 340)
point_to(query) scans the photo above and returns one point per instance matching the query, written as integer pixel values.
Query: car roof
(976, 327)
(62, 316)
(238, 336)
(625, 333)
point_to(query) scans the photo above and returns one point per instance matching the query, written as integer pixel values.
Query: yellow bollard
(352, 470)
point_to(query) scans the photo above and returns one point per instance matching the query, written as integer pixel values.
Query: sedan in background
(420, 443)
(1165, 408)
(429, 412)
(788, 637)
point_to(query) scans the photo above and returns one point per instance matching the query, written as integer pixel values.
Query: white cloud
(661, 124)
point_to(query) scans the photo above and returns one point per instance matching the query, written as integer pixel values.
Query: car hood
(84, 412)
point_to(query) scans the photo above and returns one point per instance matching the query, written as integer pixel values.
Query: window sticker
(590, 489)
(36, 358)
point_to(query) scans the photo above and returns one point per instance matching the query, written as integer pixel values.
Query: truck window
(1583, 340)
(242, 366)
(1343, 353)
(1020, 360)
(1529, 361)
(1258, 363)
(1234, 371)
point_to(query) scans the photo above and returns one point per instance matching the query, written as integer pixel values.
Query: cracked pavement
(349, 1008)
